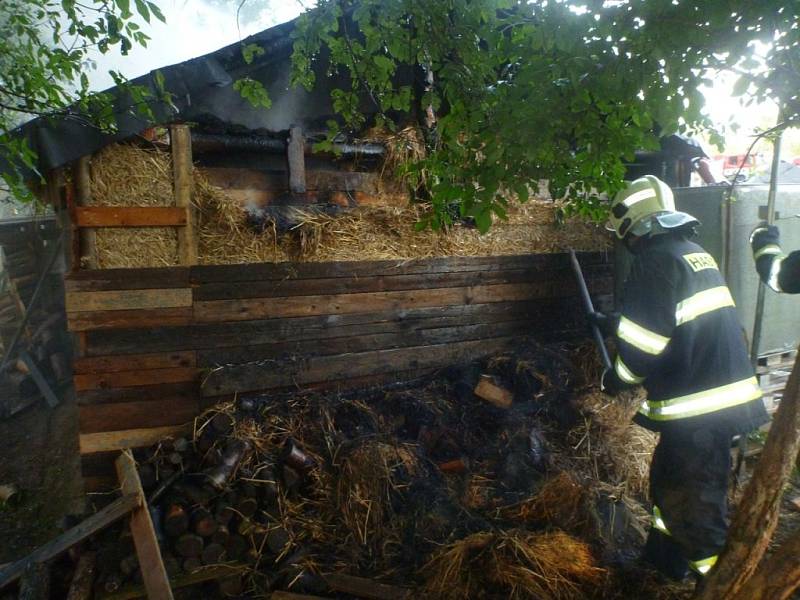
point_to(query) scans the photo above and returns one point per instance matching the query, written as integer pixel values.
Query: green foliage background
(559, 90)
(44, 48)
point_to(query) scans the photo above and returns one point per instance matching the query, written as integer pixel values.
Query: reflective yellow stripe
(704, 402)
(637, 197)
(768, 249)
(703, 566)
(702, 303)
(775, 273)
(641, 338)
(658, 521)
(625, 373)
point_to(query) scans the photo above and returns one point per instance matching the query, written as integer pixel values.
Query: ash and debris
(422, 485)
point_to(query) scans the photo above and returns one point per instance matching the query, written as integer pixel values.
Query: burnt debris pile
(509, 478)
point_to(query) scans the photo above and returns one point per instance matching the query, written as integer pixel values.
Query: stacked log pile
(41, 350)
(425, 486)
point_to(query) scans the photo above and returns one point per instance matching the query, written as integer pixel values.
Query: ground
(39, 455)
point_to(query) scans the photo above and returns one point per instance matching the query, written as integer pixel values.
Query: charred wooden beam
(297, 161)
(211, 142)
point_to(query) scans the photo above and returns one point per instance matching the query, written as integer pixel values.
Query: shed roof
(202, 91)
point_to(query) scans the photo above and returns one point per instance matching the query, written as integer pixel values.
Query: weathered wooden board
(137, 415)
(154, 574)
(278, 271)
(253, 377)
(359, 343)
(162, 392)
(130, 216)
(128, 438)
(121, 379)
(381, 283)
(127, 279)
(132, 362)
(232, 334)
(298, 306)
(128, 299)
(128, 319)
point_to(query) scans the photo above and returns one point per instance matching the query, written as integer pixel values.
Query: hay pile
(125, 175)
(516, 563)
(425, 485)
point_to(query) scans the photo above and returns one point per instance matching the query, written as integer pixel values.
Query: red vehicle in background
(733, 164)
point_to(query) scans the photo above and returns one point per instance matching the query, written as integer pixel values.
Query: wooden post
(144, 536)
(87, 237)
(54, 183)
(181, 144)
(297, 161)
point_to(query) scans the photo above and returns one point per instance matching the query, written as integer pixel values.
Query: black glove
(611, 384)
(763, 235)
(607, 323)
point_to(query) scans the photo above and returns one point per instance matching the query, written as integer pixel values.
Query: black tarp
(202, 92)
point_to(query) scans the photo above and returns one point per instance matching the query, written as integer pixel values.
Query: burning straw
(514, 564)
(126, 175)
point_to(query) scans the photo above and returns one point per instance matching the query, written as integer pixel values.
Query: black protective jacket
(679, 336)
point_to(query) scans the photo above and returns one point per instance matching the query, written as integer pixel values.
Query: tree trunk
(757, 514)
(777, 577)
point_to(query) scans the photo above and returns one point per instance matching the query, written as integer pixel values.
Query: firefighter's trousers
(689, 491)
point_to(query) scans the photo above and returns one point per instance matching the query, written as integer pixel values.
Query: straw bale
(127, 175)
(514, 564)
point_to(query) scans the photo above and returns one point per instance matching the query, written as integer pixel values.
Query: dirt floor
(39, 455)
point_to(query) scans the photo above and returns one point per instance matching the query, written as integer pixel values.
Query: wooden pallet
(773, 373)
(85, 220)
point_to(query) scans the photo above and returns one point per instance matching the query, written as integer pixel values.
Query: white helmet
(645, 197)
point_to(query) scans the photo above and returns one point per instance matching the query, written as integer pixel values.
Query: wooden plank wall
(157, 345)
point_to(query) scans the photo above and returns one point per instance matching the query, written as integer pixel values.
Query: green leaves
(253, 91)
(524, 91)
(44, 48)
(251, 51)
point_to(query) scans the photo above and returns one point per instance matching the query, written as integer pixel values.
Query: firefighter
(779, 271)
(679, 336)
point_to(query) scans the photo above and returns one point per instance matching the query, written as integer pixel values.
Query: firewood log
(176, 521)
(236, 547)
(189, 545)
(222, 424)
(221, 535)
(213, 554)
(277, 540)
(190, 565)
(203, 523)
